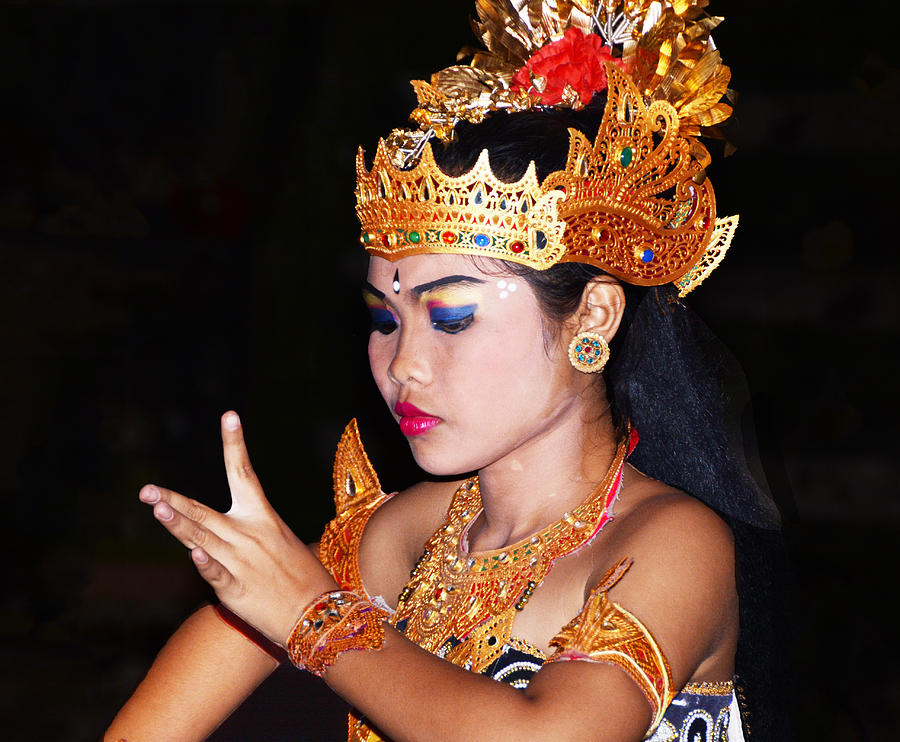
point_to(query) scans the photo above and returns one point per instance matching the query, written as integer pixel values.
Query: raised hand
(259, 569)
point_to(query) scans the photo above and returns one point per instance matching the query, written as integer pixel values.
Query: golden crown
(424, 210)
(636, 202)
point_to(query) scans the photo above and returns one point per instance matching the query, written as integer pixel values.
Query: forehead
(418, 269)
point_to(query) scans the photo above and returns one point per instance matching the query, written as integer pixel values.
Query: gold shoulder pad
(355, 479)
(605, 632)
(357, 495)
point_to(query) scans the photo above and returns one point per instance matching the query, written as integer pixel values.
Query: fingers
(246, 491)
(189, 508)
(187, 520)
(211, 570)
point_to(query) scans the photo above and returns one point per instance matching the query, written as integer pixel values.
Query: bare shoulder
(397, 531)
(663, 525)
(412, 515)
(682, 580)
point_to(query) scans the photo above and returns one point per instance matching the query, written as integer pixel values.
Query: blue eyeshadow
(451, 314)
(380, 314)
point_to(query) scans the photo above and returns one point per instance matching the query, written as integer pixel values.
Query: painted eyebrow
(368, 287)
(424, 288)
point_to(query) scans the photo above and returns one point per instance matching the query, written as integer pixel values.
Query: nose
(411, 364)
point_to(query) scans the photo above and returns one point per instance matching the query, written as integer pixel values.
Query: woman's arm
(681, 588)
(412, 695)
(200, 677)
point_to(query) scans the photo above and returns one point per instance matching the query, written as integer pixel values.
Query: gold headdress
(635, 202)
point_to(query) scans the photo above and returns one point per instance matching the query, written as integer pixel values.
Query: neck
(551, 474)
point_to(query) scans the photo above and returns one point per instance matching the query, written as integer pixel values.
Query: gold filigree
(673, 58)
(710, 688)
(452, 593)
(336, 622)
(357, 495)
(636, 202)
(408, 212)
(461, 606)
(605, 632)
(358, 730)
(665, 43)
(714, 253)
(354, 476)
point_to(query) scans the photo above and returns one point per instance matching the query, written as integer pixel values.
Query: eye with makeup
(383, 319)
(451, 319)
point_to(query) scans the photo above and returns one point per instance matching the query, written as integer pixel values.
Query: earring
(588, 352)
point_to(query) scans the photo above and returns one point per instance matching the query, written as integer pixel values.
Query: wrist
(251, 634)
(335, 622)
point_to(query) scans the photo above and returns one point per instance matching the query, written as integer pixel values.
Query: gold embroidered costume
(605, 632)
(633, 200)
(461, 606)
(357, 494)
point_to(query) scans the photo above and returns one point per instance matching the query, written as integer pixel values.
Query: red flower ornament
(566, 71)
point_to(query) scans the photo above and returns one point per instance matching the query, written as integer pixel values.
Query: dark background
(177, 239)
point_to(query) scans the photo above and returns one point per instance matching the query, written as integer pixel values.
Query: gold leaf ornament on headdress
(665, 44)
(636, 202)
(675, 59)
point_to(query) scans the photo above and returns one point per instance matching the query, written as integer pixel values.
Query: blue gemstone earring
(588, 352)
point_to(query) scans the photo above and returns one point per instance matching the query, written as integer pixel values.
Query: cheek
(512, 362)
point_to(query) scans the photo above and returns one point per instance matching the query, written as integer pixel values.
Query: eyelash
(383, 321)
(452, 320)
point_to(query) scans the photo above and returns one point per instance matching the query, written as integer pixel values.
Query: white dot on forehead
(504, 294)
(511, 286)
(501, 284)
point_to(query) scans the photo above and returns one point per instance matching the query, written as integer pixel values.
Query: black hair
(667, 371)
(515, 140)
(680, 388)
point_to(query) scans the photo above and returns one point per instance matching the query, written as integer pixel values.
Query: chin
(439, 462)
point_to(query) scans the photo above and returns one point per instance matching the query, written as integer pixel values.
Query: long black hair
(677, 384)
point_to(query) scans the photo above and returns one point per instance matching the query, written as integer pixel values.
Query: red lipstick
(414, 421)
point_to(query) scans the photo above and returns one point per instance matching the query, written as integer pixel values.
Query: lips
(414, 421)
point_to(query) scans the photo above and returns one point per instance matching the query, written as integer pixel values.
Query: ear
(601, 307)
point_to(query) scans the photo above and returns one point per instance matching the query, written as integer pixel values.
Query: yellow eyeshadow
(372, 301)
(450, 296)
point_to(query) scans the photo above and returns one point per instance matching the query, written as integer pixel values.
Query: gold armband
(357, 495)
(336, 622)
(605, 632)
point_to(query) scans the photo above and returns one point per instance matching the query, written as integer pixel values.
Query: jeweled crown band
(408, 212)
(636, 202)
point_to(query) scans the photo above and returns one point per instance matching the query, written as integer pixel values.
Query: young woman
(581, 584)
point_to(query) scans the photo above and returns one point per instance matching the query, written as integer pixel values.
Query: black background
(177, 238)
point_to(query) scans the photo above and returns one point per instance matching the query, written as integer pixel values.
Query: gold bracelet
(336, 622)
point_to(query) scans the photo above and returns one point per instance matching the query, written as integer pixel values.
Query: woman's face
(459, 356)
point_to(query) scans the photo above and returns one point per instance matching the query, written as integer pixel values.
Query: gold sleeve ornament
(346, 619)
(357, 495)
(635, 202)
(605, 632)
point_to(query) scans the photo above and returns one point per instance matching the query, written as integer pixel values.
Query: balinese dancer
(571, 572)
